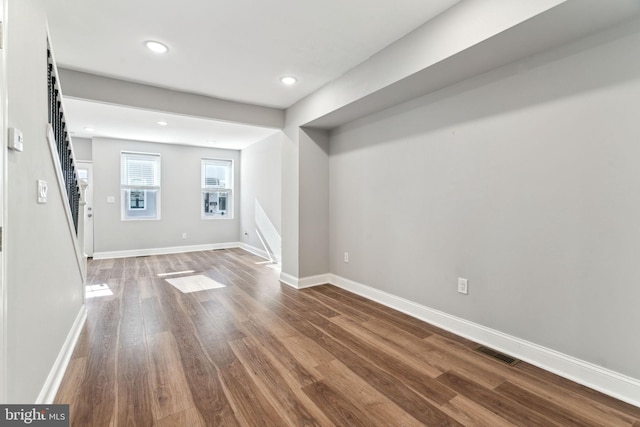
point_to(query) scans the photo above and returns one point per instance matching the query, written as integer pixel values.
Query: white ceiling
(234, 50)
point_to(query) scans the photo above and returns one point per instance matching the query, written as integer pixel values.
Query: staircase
(62, 154)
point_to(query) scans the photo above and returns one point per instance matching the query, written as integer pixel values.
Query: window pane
(140, 180)
(216, 173)
(217, 187)
(216, 204)
(141, 170)
(213, 176)
(136, 199)
(140, 204)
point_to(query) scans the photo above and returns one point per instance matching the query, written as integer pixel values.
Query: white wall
(261, 181)
(180, 199)
(44, 284)
(524, 181)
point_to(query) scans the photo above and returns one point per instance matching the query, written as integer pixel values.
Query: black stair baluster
(49, 91)
(62, 141)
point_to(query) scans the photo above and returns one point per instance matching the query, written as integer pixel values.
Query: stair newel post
(81, 212)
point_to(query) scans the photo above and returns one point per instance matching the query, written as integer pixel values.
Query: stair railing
(62, 140)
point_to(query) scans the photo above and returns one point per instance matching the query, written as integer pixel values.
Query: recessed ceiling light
(156, 47)
(89, 129)
(211, 141)
(288, 80)
(162, 123)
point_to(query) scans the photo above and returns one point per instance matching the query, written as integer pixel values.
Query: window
(140, 184)
(217, 189)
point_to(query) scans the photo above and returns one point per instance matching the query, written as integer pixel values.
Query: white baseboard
(51, 385)
(609, 382)
(305, 282)
(289, 280)
(310, 281)
(165, 251)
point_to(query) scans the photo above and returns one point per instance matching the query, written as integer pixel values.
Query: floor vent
(497, 355)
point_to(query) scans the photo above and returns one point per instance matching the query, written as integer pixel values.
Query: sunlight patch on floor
(194, 283)
(101, 290)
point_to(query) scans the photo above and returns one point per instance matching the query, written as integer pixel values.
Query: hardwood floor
(257, 352)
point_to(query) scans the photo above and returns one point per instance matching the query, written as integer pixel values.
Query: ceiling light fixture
(89, 129)
(156, 47)
(288, 80)
(162, 123)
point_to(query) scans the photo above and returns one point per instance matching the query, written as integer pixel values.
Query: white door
(3, 148)
(85, 171)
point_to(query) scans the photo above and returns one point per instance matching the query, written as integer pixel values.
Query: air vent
(497, 355)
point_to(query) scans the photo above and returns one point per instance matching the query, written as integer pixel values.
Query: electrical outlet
(463, 286)
(184, 235)
(346, 257)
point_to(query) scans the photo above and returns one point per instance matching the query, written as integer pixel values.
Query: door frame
(3, 200)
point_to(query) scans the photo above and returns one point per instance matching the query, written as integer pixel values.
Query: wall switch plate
(463, 286)
(43, 188)
(184, 235)
(15, 139)
(346, 257)
(111, 199)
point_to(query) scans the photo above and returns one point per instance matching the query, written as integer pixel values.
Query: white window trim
(124, 202)
(228, 189)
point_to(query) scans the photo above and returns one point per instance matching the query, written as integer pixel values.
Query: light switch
(111, 199)
(43, 188)
(15, 139)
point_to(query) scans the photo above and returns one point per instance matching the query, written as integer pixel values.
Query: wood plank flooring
(258, 353)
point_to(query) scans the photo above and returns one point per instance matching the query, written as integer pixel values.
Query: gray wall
(372, 84)
(82, 148)
(261, 180)
(78, 84)
(524, 181)
(313, 243)
(44, 283)
(305, 202)
(180, 199)
(290, 192)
